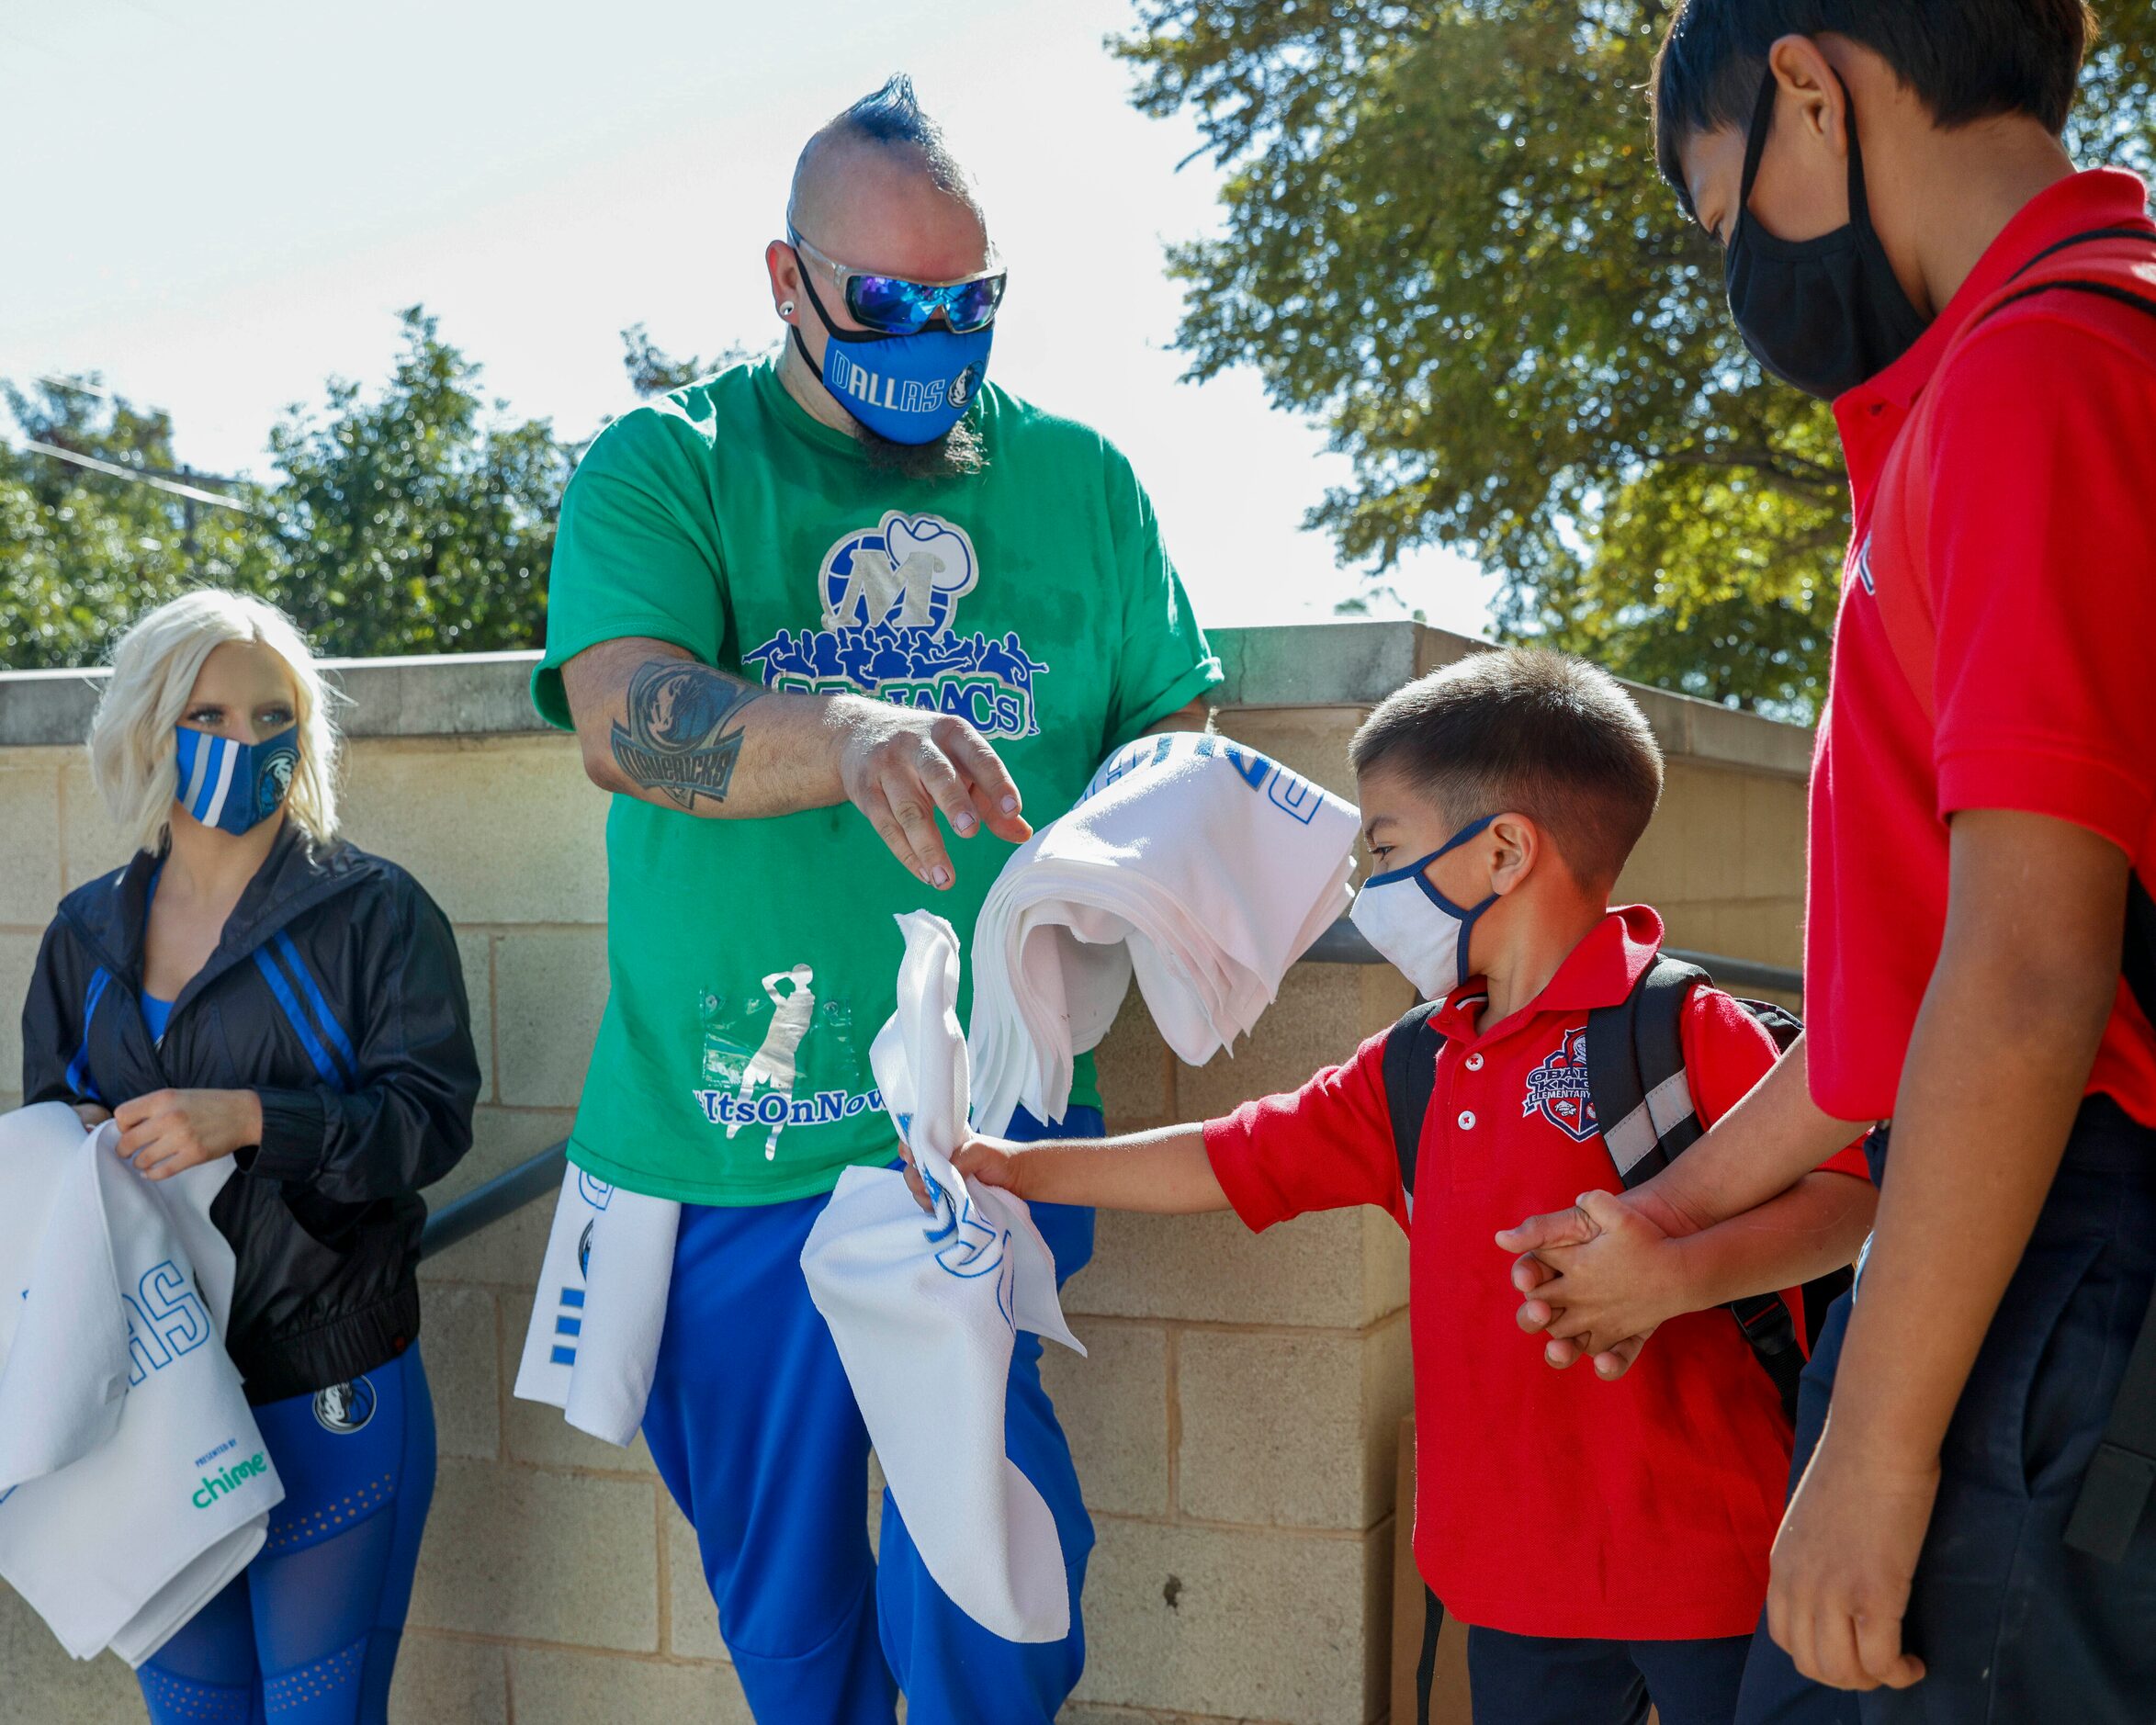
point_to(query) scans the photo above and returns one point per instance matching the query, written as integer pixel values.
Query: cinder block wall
(1237, 1422)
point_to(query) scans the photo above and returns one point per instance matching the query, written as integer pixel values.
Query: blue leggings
(755, 1431)
(307, 1634)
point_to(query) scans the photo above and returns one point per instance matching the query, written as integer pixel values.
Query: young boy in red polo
(1606, 1545)
(1907, 236)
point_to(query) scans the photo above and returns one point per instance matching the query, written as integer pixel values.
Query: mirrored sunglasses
(891, 305)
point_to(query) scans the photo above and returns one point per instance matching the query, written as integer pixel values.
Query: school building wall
(1237, 1422)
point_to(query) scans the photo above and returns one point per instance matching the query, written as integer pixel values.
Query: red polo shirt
(1994, 645)
(1546, 1503)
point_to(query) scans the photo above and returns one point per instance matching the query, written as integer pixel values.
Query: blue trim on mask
(1466, 918)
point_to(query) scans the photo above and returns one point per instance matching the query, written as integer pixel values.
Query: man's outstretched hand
(901, 769)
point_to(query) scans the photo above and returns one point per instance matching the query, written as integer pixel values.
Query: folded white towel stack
(1201, 866)
(133, 1480)
(925, 1309)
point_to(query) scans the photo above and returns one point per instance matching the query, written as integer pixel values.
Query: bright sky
(224, 202)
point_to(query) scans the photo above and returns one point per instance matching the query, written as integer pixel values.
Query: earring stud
(786, 310)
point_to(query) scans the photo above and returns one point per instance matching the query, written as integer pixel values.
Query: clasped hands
(1597, 1278)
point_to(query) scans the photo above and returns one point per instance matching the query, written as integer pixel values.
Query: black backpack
(1643, 1104)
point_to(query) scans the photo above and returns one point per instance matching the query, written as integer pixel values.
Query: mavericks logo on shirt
(890, 596)
(1558, 1089)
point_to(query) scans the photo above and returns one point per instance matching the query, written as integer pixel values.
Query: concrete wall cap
(1350, 664)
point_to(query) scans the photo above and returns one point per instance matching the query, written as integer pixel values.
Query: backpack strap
(1411, 1079)
(2009, 295)
(1636, 1071)
(1643, 1102)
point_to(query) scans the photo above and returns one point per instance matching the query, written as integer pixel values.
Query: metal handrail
(1343, 944)
(503, 1196)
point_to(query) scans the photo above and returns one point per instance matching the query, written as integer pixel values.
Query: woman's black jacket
(336, 994)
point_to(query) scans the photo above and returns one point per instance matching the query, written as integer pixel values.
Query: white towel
(1199, 866)
(133, 1480)
(592, 1346)
(924, 1310)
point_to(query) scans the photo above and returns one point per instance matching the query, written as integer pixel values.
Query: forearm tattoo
(677, 740)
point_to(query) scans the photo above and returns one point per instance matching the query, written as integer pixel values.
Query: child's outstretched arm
(1166, 1172)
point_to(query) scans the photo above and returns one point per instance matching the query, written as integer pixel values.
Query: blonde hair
(153, 672)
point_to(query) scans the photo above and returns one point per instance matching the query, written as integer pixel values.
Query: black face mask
(1824, 314)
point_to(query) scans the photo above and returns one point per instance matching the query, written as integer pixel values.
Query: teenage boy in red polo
(1907, 236)
(1606, 1545)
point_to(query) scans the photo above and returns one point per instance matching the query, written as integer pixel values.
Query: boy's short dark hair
(1966, 59)
(1540, 734)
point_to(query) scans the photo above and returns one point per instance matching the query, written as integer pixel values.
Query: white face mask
(1418, 930)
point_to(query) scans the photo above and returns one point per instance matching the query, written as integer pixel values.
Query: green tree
(653, 371)
(81, 550)
(1444, 238)
(418, 521)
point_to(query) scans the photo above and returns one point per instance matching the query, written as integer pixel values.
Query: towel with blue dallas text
(1194, 864)
(592, 1347)
(134, 1484)
(925, 1311)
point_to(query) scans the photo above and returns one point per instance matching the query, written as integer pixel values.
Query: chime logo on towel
(889, 597)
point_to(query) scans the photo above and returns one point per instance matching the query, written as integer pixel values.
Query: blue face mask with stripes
(234, 786)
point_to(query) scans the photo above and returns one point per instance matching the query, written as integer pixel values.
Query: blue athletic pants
(308, 1633)
(755, 1429)
(2014, 1626)
(1554, 1680)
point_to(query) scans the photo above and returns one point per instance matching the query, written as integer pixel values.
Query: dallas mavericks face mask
(1824, 314)
(1422, 933)
(234, 786)
(910, 389)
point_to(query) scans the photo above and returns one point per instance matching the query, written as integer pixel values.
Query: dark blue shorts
(2014, 1627)
(1551, 1680)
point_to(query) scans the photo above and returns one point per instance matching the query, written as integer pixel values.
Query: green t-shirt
(753, 961)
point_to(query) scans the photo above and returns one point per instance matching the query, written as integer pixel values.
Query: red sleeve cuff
(1848, 1159)
(2107, 800)
(1232, 1148)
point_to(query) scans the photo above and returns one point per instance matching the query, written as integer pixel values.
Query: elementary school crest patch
(1558, 1089)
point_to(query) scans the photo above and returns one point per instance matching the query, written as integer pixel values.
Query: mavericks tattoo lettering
(677, 740)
